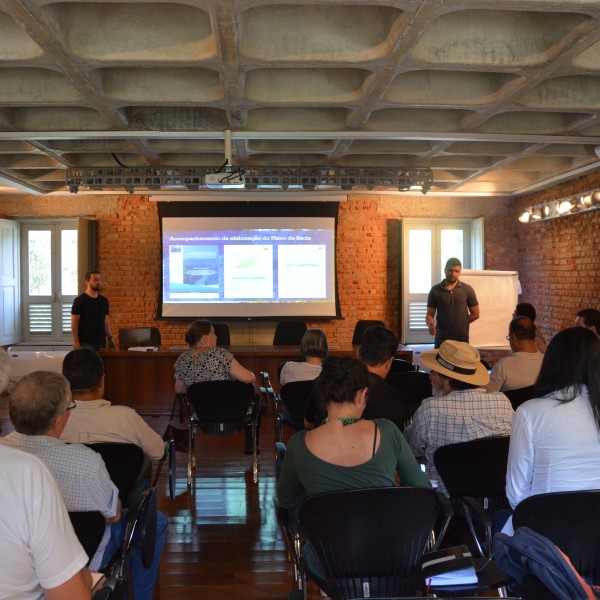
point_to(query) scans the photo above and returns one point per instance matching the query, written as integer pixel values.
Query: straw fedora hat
(457, 360)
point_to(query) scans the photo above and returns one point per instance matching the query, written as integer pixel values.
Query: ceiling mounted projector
(224, 181)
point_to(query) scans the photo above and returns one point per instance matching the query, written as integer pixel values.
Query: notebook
(450, 566)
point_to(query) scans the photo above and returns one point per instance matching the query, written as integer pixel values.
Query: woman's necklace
(345, 420)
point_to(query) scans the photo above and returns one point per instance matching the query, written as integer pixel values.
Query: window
(49, 279)
(426, 246)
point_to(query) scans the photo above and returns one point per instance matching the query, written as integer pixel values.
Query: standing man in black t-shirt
(451, 306)
(90, 323)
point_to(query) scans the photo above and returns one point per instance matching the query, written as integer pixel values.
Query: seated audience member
(521, 368)
(205, 362)
(40, 555)
(460, 409)
(95, 419)
(555, 439)
(347, 451)
(39, 406)
(313, 347)
(589, 318)
(524, 309)
(376, 351)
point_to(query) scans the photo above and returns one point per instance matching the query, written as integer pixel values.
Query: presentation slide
(233, 267)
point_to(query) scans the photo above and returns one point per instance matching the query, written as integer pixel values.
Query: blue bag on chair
(528, 554)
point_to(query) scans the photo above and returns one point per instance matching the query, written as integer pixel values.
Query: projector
(224, 181)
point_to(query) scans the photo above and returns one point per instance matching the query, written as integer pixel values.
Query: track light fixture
(250, 178)
(562, 207)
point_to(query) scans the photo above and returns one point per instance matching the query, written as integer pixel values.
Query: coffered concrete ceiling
(497, 97)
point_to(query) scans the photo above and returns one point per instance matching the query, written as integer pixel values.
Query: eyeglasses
(72, 405)
(508, 337)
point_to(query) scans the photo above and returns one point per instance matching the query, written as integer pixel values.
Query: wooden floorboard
(223, 541)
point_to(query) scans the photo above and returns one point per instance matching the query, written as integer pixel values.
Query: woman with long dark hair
(555, 439)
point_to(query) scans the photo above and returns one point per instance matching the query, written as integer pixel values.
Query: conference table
(144, 380)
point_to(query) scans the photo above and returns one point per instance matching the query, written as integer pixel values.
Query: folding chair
(124, 463)
(139, 336)
(365, 541)
(520, 395)
(290, 405)
(571, 520)
(221, 408)
(89, 528)
(361, 326)
(474, 474)
(289, 333)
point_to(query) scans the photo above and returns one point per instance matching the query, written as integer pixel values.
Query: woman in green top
(345, 452)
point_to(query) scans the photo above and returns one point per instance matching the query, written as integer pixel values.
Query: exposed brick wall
(557, 259)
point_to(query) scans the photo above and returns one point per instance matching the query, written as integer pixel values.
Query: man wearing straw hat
(460, 409)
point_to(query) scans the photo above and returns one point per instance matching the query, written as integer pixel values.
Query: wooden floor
(223, 541)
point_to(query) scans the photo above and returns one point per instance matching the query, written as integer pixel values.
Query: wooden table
(144, 380)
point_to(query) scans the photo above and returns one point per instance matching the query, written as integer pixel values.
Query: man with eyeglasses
(39, 407)
(521, 368)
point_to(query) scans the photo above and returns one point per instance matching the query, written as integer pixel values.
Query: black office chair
(360, 327)
(138, 336)
(89, 528)
(474, 474)
(365, 541)
(222, 333)
(414, 386)
(221, 408)
(124, 463)
(289, 333)
(571, 520)
(520, 395)
(290, 405)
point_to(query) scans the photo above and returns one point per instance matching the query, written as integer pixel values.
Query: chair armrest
(477, 511)
(476, 514)
(447, 512)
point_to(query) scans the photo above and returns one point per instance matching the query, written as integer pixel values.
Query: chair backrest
(399, 365)
(89, 528)
(221, 406)
(289, 333)
(571, 520)
(222, 333)
(476, 468)
(414, 386)
(520, 395)
(366, 540)
(294, 396)
(124, 463)
(138, 336)
(360, 327)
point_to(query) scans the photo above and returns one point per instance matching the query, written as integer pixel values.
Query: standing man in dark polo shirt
(451, 306)
(90, 323)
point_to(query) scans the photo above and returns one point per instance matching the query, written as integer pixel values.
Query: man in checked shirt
(460, 409)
